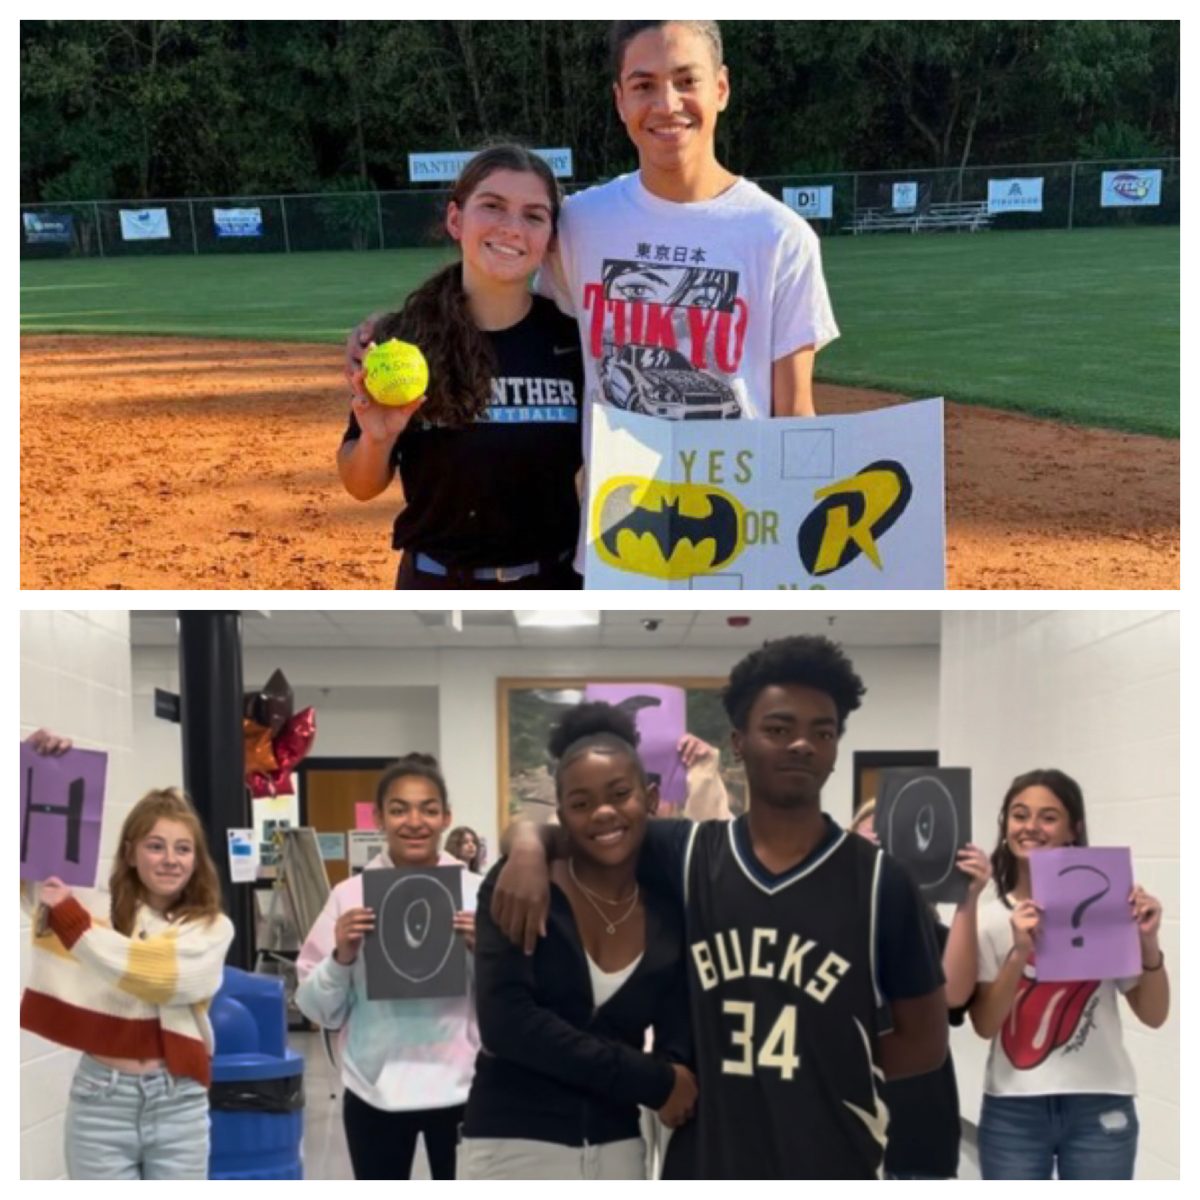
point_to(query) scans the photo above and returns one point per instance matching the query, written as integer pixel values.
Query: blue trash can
(257, 1095)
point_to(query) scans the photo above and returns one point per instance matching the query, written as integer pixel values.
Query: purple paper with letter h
(1087, 929)
(660, 713)
(62, 798)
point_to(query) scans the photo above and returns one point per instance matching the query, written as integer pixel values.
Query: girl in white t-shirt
(1059, 1087)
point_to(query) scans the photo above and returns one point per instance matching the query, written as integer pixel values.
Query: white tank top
(606, 984)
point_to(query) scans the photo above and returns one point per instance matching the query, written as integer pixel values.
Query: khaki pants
(521, 1158)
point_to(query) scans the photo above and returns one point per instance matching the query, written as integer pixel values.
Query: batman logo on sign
(666, 530)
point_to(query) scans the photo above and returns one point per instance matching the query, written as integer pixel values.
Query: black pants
(561, 577)
(382, 1144)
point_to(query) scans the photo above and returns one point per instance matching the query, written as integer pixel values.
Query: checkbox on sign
(808, 454)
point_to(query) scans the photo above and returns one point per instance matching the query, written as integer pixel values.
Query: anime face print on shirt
(667, 331)
(1046, 1017)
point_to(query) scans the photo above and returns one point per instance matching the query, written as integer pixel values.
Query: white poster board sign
(1015, 195)
(1131, 189)
(812, 202)
(144, 224)
(829, 502)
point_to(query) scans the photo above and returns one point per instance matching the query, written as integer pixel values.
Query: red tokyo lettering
(730, 361)
(719, 334)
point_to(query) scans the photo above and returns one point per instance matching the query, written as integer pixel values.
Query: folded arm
(180, 966)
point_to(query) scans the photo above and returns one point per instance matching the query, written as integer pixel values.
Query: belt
(429, 566)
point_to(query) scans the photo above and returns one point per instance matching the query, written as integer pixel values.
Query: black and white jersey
(784, 1007)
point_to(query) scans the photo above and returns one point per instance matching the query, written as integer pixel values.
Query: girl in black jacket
(562, 1072)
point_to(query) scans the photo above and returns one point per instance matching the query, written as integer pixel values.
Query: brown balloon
(272, 705)
(259, 754)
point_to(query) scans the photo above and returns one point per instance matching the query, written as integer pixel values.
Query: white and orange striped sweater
(146, 996)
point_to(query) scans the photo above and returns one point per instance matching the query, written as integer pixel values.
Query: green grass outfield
(1081, 325)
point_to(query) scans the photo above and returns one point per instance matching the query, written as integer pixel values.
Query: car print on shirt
(663, 383)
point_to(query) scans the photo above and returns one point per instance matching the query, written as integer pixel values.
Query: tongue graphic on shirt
(1044, 1017)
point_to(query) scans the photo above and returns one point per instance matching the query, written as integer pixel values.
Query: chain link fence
(1070, 196)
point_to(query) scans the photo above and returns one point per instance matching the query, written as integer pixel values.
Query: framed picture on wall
(663, 708)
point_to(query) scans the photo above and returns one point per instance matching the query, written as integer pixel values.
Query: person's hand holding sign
(46, 742)
(1024, 922)
(352, 926)
(464, 924)
(1147, 912)
(53, 892)
(975, 864)
(693, 749)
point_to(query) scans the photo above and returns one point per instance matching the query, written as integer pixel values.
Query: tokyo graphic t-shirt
(1059, 1037)
(683, 308)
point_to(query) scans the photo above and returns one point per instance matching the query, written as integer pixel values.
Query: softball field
(183, 463)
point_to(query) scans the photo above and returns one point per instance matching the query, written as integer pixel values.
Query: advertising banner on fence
(237, 222)
(48, 227)
(829, 502)
(444, 167)
(904, 197)
(145, 224)
(816, 202)
(1131, 189)
(1015, 195)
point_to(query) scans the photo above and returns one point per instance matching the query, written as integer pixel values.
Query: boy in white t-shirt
(698, 295)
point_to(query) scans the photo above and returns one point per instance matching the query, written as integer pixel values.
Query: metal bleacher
(958, 215)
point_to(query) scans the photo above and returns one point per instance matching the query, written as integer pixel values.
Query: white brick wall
(75, 679)
(1097, 695)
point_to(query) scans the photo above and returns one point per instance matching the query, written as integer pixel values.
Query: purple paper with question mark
(660, 713)
(1087, 929)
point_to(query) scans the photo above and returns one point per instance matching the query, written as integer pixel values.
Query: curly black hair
(590, 725)
(806, 659)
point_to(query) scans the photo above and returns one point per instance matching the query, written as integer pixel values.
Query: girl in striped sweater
(132, 993)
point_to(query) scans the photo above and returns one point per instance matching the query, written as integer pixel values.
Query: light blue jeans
(122, 1126)
(1076, 1136)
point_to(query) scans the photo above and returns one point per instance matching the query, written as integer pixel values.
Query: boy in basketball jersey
(812, 974)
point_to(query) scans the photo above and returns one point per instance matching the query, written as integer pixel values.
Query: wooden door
(330, 796)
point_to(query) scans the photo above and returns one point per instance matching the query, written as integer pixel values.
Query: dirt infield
(168, 463)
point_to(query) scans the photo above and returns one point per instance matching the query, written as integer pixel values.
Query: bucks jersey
(785, 1009)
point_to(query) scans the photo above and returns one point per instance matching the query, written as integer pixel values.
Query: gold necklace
(595, 895)
(610, 923)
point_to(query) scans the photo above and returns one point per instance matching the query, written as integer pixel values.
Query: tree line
(141, 109)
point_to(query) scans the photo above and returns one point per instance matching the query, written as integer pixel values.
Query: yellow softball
(395, 373)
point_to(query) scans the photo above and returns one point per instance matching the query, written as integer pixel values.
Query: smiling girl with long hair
(132, 994)
(488, 458)
(1059, 1087)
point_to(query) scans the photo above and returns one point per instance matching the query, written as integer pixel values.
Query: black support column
(210, 690)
